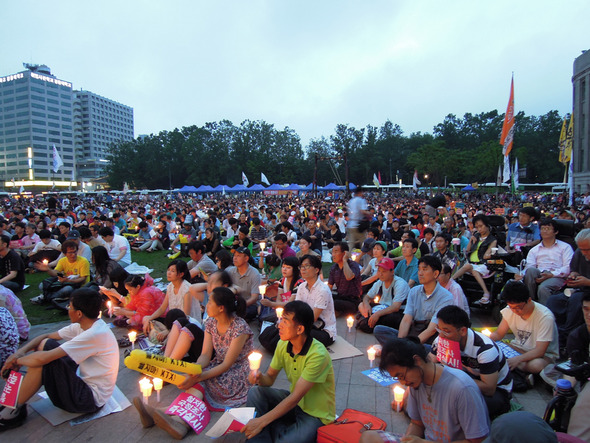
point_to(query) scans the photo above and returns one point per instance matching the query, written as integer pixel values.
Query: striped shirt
(482, 356)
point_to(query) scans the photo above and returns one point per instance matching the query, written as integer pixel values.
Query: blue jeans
(294, 426)
(384, 333)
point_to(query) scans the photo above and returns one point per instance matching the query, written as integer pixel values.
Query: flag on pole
(223, 190)
(376, 180)
(561, 145)
(245, 181)
(507, 136)
(263, 178)
(570, 180)
(499, 179)
(415, 181)
(569, 141)
(379, 177)
(21, 190)
(506, 174)
(57, 163)
(515, 176)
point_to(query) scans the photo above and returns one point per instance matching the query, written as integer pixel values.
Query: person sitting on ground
(79, 375)
(345, 274)
(443, 403)
(177, 295)
(144, 299)
(534, 329)
(369, 272)
(224, 359)
(117, 245)
(211, 242)
(315, 234)
(305, 247)
(258, 233)
(223, 260)
(407, 268)
(11, 302)
(12, 267)
(523, 233)
(459, 298)
(239, 240)
(186, 235)
(143, 236)
(46, 249)
(87, 238)
(423, 302)
(105, 268)
(392, 292)
(247, 278)
(443, 253)
(71, 272)
(294, 415)
(333, 234)
(479, 249)
(200, 264)
(281, 247)
(9, 338)
(481, 358)
(159, 239)
(547, 264)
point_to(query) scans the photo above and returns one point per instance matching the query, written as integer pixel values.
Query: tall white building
(98, 122)
(37, 111)
(581, 149)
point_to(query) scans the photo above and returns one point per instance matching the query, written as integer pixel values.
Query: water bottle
(557, 413)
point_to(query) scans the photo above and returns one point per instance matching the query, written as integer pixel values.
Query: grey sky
(308, 65)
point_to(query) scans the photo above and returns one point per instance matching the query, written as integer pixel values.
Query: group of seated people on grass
(406, 296)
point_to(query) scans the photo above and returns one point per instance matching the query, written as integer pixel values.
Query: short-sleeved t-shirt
(319, 296)
(80, 267)
(12, 262)
(540, 326)
(176, 299)
(249, 282)
(350, 289)
(423, 308)
(396, 293)
(314, 365)
(96, 352)
(457, 410)
(407, 272)
(114, 248)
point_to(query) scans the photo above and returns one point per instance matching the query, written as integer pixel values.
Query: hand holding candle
(376, 299)
(158, 384)
(262, 289)
(262, 245)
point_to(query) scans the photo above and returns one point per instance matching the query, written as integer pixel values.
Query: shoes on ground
(172, 424)
(16, 417)
(39, 300)
(145, 412)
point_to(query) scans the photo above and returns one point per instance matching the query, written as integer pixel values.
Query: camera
(575, 367)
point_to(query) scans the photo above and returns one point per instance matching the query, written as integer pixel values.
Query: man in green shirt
(293, 415)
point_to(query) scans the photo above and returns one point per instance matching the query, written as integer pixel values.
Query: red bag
(349, 427)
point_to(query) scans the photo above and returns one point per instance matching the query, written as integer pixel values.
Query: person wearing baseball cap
(392, 292)
(247, 278)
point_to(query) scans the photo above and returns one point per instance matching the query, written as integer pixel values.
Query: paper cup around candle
(350, 322)
(486, 332)
(262, 289)
(262, 245)
(279, 312)
(158, 384)
(254, 359)
(371, 354)
(132, 338)
(398, 395)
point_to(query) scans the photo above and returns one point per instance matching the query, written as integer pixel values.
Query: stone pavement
(353, 390)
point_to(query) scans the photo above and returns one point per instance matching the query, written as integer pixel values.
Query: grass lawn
(40, 314)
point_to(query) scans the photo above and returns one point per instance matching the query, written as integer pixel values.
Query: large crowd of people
(397, 265)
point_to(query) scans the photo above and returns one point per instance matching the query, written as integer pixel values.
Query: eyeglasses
(305, 267)
(402, 376)
(517, 308)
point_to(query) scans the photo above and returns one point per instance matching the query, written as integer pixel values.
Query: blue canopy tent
(308, 187)
(468, 188)
(186, 189)
(256, 188)
(237, 188)
(293, 187)
(219, 188)
(275, 187)
(331, 187)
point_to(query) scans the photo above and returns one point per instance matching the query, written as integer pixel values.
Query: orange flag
(508, 127)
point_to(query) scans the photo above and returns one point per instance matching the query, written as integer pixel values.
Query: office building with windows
(38, 111)
(581, 148)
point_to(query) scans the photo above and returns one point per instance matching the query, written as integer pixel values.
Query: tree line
(462, 150)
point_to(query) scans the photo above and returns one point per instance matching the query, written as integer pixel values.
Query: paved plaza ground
(353, 390)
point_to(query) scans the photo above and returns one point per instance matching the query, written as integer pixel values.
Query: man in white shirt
(117, 246)
(90, 346)
(548, 263)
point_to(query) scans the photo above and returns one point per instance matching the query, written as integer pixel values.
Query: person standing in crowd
(357, 213)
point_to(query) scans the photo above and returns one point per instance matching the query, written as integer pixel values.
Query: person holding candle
(392, 292)
(224, 380)
(345, 274)
(90, 350)
(144, 299)
(443, 403)
(481, 358)
(294, 415)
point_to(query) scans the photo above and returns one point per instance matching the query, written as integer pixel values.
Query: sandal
(124, 342)
(484, 300)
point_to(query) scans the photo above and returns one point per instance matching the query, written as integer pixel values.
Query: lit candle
(349, 322)
(262, 289)
(318, 224)
(132, 337)
(279, 312)
(398, 397)
(158, 383)
(45, 262)
(110, 307)
(354, 256)
(262, 245)
(486, 332)
(371, 354)
(255, 358)
(376, 299)
(146, 388)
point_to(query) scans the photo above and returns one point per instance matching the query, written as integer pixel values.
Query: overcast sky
(308, 65)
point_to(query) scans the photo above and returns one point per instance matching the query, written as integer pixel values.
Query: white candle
(45, 262)
(279, 312)
(349, 322)
(110, 307)
(132, 338)
(146, 388)
(398, 395)
(262, 245)
(262, 289)
(486, 332)
(376, 299)
(371, 354)
(354, 256)
(158, 384)
(254, 359)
